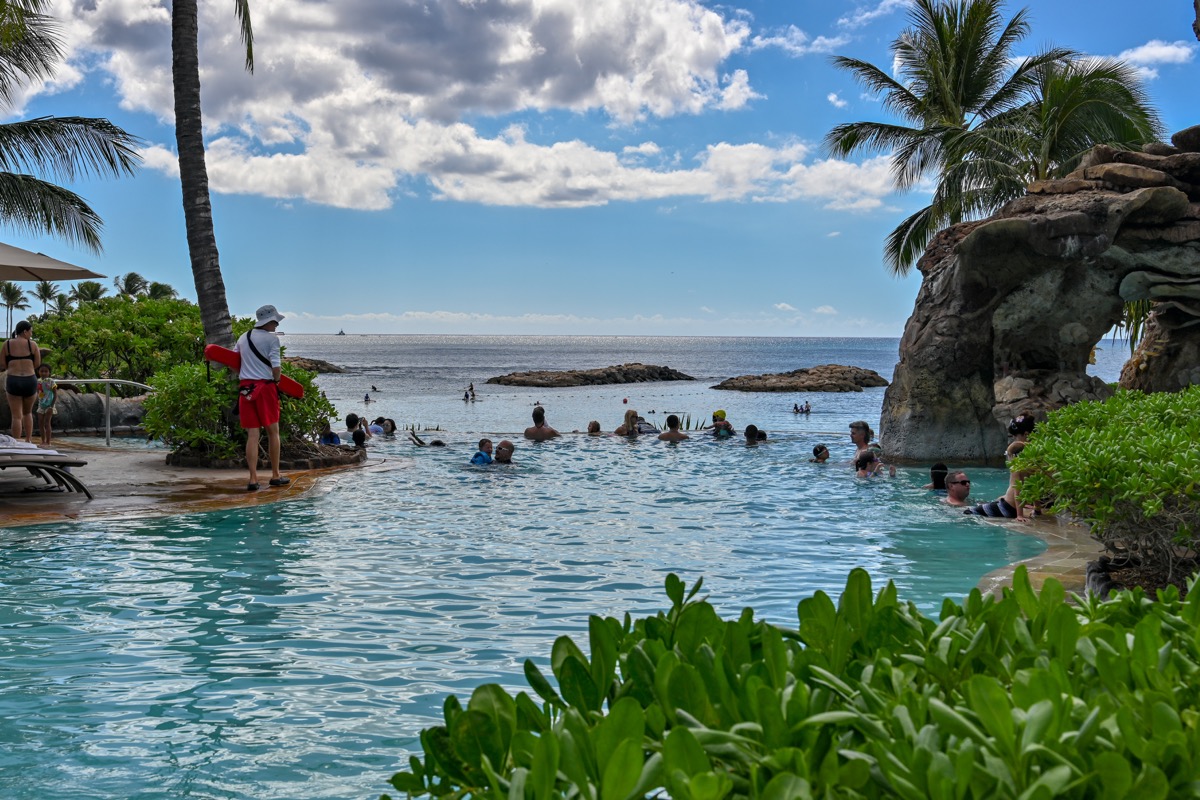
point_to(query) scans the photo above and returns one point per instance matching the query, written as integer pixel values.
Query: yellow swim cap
(718, 414)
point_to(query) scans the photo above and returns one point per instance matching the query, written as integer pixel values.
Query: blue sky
(535, 166)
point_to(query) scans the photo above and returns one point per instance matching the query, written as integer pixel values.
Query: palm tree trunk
(193, 175)
(1196, 24)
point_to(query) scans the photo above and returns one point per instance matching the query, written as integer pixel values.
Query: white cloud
(832, 234)
(365, 103)
(864, 16)
(1155, 52)
(836, 101)
(784, 307)
(796, 42)
(830, 310)
(707, 310)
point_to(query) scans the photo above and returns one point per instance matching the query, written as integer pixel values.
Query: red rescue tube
(233, 360)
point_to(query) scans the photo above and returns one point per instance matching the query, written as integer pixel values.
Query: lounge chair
(52, 468)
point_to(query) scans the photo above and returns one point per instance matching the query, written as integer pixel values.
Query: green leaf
(577, 686)
(537, 681)
(625, 722)
(623, 770)
(545, 767)
(990, 702)
(1113, 777)
(682, 752)
(675, 589)
(787, 787)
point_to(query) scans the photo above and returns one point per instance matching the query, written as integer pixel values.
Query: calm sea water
(296, 650)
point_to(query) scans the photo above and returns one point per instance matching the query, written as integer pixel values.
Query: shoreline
(134, 484)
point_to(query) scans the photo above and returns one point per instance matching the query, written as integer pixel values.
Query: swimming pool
(296, 650)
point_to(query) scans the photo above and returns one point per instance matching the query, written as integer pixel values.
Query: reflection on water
(295, 651)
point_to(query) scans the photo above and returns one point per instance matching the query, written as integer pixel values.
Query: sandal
(251, 487)
(280, 481)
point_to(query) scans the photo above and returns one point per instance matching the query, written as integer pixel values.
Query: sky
(623, 167)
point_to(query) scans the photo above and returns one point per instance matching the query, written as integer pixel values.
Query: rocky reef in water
(1011, 306)
(824, 378)
(623, 373)
(313, 364)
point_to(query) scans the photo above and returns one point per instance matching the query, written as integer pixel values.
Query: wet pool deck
(129, 484)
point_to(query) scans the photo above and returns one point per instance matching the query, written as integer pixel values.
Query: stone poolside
(137, 483)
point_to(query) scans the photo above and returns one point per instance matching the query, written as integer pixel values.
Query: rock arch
(1010, 307)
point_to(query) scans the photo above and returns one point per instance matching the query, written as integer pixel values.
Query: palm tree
(14, 300)
(193, 172)
(980, 126)
(64, 147)
(161, 291)
(60, 304)
(45, 291)
(130, 284)
(87, 292)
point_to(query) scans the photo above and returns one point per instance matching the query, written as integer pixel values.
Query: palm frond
(33, 205)
(68, 147)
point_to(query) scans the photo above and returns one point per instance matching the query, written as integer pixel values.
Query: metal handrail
(108, 384)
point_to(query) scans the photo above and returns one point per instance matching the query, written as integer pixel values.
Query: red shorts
(261, 408)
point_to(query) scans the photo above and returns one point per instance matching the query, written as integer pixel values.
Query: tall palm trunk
(193, 175)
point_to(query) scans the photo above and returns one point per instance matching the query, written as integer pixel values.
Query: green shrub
(124, 338)
(1021, 697)
(1129, 467)
(190, 410)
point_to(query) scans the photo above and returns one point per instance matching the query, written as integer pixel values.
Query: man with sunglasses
(958, 487)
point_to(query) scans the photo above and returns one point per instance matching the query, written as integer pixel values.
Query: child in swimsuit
(47, 395)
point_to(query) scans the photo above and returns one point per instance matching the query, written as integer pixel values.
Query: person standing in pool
(958, 488)
(672, 433)
(258, 390)
(721, 427)
(540, 431)
(860, 437)
(504, 452)
(820, 454)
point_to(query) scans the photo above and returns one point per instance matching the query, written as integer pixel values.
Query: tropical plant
(87, 292)
(131, 284)
(63, 147)
(193, 172)
(1023, 696)
(14, 300)
(45, 291)
(60, 304)
(114, 337)
(1128, 467)
(161, 291)
(189, 411)
(979, 126)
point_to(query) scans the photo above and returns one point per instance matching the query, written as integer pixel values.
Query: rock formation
(313, 364)
(623, 373)
(825, 378)
(1011, 306)
(84, 413)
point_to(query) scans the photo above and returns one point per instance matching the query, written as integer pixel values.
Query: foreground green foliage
(1022, 697)
(190, 410)
(1129, 467)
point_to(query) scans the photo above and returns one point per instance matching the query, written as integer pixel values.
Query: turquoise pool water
(295, 650)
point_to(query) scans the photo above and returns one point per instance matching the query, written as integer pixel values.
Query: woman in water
(629, 427)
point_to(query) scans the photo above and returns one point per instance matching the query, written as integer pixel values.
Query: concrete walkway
(137, 483)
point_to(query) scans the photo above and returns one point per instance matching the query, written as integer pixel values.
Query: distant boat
(340, 333)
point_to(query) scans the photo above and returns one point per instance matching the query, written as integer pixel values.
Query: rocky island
(825, 378)
(622, 373)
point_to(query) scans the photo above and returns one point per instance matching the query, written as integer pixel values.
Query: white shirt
(253, 369)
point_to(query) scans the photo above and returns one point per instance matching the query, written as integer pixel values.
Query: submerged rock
(623, 373)
(824, 378)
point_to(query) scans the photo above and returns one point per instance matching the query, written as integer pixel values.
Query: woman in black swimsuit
(21, 358)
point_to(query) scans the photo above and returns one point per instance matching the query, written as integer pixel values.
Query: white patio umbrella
(22, 265)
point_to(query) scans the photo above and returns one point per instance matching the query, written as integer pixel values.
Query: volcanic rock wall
(1011, 306)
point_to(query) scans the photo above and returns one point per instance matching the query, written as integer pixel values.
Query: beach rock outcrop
(1011, 307)
(824, 378)
(313, 364)
(84, 413)
(622, 373)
